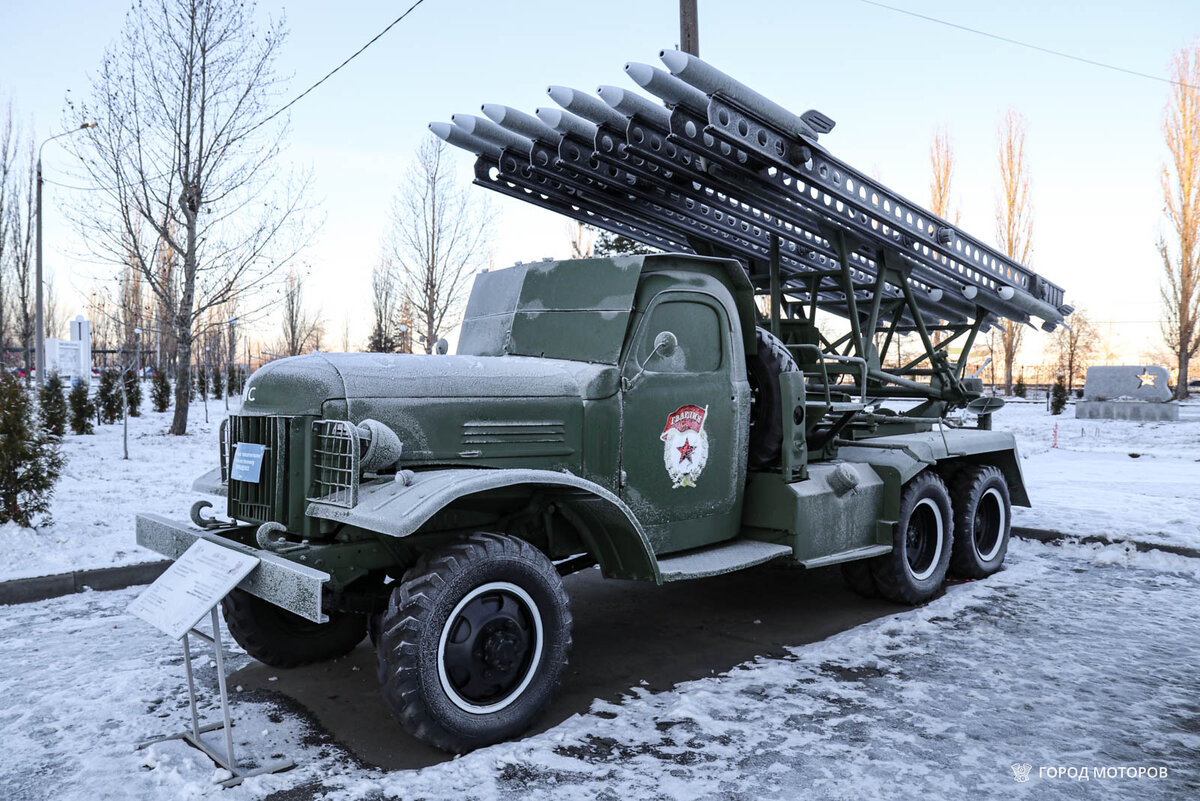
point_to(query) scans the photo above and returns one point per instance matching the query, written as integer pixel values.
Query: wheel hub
(923, 539)
(501, 647)
(489, 646)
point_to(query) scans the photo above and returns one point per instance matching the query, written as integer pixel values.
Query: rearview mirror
(664, 344)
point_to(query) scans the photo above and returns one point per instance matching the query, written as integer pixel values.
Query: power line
(330, 74)
(278, 111)
(1029, 46)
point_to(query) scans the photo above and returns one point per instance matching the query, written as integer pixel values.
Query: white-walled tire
(921, 542)
(982, 522)
(474, 642)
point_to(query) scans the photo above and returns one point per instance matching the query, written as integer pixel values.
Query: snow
(1031, 666)
(1073, 656)
(99, 493)
(1121, 479)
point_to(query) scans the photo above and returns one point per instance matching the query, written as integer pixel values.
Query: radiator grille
(265, 500)
(335, 463)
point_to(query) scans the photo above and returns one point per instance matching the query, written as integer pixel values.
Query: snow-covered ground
(99, 493)
(1074, 657)
(1116, 478)
(1090, 484)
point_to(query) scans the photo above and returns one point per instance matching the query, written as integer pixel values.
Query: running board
(848, 556)
(724, 557)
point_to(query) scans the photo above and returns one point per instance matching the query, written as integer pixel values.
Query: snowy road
(1074, 656)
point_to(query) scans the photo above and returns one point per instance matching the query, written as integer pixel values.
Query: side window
(698, 328)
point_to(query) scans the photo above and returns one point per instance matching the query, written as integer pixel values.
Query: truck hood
(303, 384)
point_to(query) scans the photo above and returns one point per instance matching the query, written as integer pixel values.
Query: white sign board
(193, 585)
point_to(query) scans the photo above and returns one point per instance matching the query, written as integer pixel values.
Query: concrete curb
(1055, 537)
(39, 588)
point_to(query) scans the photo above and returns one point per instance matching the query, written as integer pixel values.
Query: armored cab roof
(575, 309)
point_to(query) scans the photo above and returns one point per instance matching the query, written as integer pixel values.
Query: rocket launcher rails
(707, 165)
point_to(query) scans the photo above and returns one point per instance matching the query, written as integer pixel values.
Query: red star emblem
(685, 451)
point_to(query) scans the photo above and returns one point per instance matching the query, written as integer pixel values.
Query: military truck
(660, 417)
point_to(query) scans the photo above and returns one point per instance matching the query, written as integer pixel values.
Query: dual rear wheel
(961, 530)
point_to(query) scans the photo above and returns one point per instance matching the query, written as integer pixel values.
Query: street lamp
(39, 324)
(137, 350)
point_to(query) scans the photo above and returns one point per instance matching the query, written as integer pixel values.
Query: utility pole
(39, 334)
(689, 27)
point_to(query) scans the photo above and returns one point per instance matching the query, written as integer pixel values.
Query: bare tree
(55, 310)
(183, 156)
(1075, 347)
(941, 163)
(439, 236)
(385, 295)
(21, 226)
(1014, 220)
(302, 329)
(1181, 204)
(8, 165)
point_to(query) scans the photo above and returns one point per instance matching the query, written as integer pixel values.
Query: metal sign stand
(193, 736)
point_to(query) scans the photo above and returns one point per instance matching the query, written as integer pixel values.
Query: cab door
(683, 439)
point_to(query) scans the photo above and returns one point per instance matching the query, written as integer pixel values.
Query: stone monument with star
(1127, 392)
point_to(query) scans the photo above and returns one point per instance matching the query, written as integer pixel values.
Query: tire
(494, 684)
(982, 522)
(921, 542)
(857, 576)
(766, 411)
(278, 638)
(374, 626)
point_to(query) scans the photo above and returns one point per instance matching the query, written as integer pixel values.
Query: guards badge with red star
(685, 449)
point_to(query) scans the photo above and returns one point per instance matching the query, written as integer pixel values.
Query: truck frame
(660, 417)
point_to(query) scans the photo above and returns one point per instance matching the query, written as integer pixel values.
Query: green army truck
(660, 417)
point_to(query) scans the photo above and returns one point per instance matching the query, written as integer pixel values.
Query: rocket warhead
(663, 84)
(491, 132)
(566, 122)
(587, 106)
(629, 103)
(456, 136)
(521, 123)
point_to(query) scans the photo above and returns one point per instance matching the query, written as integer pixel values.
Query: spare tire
(766, 408)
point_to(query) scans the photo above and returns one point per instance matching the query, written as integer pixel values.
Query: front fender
(614, 536)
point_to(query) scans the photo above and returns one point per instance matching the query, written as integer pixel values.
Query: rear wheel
(278, 638)
(982, 521)
(766, 409)
(474, 642)
(921, 541)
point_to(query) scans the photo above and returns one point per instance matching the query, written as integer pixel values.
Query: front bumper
(288, 585)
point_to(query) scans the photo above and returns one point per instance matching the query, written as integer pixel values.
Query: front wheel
(921, 540)
(278, 638)
(474, 642)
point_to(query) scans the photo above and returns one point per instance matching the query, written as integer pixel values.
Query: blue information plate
(247, 462)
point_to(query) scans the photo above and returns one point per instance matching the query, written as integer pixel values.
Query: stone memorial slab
(1127, 382)
(1127, 392)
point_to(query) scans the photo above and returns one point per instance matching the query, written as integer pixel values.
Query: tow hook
(203, 522)
(276, 544)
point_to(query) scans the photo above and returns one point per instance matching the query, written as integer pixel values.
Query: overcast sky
(1095, 143)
